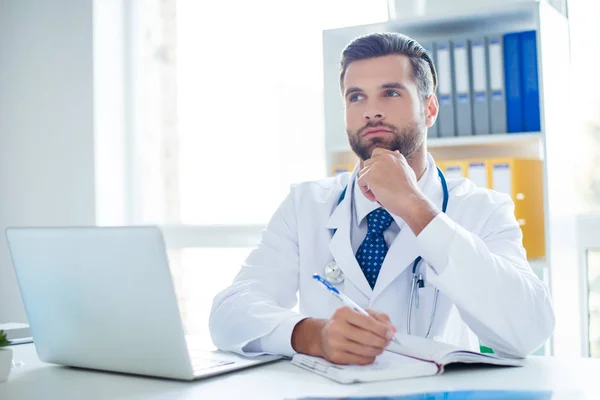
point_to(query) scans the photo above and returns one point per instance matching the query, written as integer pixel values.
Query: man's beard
(405, 140)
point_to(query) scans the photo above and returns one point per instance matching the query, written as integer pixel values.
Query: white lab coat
(473, 254)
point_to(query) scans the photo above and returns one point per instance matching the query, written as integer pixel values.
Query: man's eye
(355, 97)
(392, 93)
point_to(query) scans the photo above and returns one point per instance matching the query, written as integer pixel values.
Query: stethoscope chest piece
(333, 273)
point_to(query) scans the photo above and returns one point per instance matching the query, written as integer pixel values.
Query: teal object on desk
(458, 395)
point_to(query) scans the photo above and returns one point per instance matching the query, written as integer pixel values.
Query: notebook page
(443, 353)
(386, 366)
(422, 348)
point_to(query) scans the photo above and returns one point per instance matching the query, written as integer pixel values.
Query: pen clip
(327, 284)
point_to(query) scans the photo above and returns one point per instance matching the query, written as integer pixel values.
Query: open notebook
(416, 357)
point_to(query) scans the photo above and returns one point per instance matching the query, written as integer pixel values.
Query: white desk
(37, 380)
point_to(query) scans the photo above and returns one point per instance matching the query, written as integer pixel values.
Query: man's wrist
(306, 337)
(419, 213)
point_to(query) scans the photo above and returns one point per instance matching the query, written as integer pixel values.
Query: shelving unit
(554, 144)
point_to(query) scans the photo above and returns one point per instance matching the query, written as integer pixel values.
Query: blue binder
(513, 83)
(529, 75)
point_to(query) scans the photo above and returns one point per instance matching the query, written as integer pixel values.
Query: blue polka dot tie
(372, 250)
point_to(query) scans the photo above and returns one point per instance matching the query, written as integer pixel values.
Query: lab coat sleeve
(253, 316)
(488, 278)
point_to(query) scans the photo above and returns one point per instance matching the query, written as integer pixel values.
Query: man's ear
(431, 108)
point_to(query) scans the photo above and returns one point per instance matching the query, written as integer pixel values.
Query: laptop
(103, 298)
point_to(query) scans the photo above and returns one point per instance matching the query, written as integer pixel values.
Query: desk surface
(280, 380)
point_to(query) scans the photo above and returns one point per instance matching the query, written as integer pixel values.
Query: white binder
(462, 80)
(480, 99)
(446, 118)
(497, 85)
(477, 173)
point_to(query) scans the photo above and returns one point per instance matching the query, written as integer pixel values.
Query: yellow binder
(341, 168)
(522, 180)
(453, 168)
(343, 162)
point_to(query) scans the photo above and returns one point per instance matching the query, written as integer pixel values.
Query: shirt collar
(363, 206)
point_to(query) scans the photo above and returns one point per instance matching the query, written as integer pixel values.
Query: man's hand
(387, 178)
(347, 338)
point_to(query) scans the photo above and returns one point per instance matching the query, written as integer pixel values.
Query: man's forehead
(395, 67)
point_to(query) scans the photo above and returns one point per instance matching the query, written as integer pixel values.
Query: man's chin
(379, 145)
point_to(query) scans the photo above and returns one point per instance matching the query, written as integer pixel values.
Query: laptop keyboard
(199, 364)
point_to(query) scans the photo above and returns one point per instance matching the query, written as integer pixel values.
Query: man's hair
(383, 44)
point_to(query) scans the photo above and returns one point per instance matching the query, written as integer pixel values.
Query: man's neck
(418, 161)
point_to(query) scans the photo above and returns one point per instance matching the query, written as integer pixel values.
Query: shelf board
(470, 14)
(500, 139)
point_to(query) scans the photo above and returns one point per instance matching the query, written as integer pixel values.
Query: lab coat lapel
(400, 256)
(340, 245)
(403, 251)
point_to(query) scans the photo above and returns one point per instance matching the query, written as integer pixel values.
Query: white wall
(46, 123)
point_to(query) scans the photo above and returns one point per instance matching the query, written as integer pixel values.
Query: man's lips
(379, 131)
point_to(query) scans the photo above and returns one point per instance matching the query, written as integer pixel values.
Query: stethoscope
(334, 275)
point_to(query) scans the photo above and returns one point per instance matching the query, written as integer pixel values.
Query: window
(586, 95)
(199, 274)
(225, 112)
(593, 302)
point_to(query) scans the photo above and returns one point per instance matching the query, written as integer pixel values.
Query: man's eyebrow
(352, 90)
(388, 85)
(393, 85)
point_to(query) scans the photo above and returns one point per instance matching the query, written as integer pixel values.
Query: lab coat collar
(338, 217)
(340, 245)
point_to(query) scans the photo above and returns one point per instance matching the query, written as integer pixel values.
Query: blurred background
(198, 115)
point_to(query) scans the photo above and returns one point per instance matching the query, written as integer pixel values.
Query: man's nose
(373, 115)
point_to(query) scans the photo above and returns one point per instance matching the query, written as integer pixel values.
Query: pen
(345, 299)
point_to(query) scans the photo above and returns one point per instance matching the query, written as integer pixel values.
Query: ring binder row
(487, 84)
(521, 179)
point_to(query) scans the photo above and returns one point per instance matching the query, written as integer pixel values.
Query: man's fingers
(354, 338)
(365, 338)
(371, 324)
(361, 349)
(368, 193)
(378, 151)
(382, 317)
(368, 162)
(364, 187)
(345, 358)
(378, 158)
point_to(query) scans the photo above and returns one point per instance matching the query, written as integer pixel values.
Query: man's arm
(489, 279)
(487, 275)
(253, 315)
